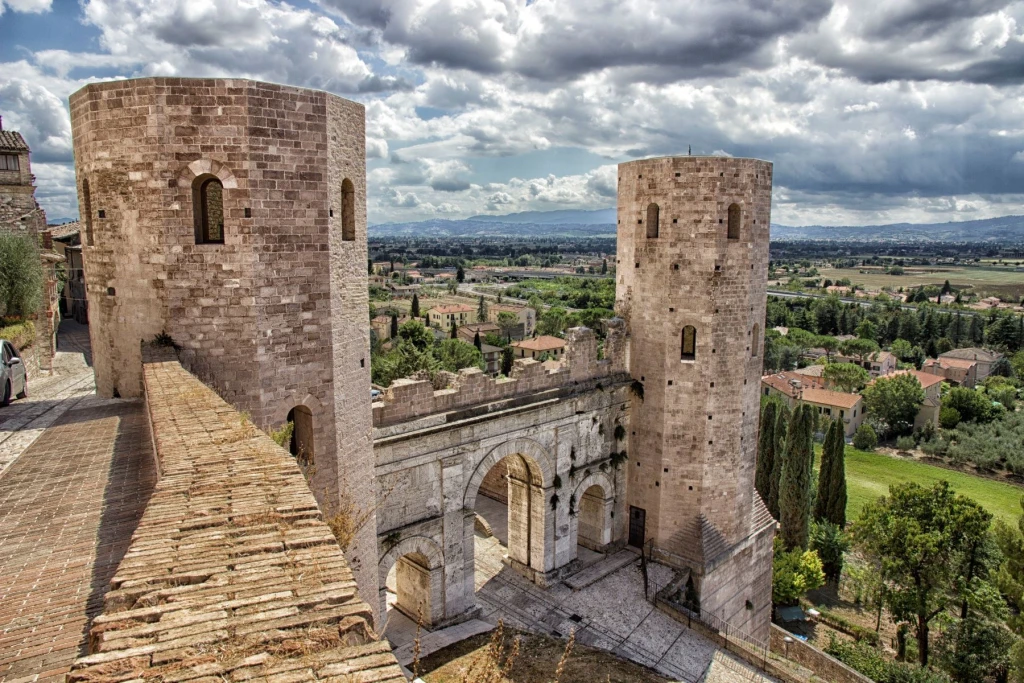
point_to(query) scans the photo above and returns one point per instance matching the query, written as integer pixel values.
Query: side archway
(594, 507)
(419, 579)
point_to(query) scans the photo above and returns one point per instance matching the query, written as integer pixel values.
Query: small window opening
(348, 210)
(208, 208)
(689, 343)
(652, 220)
(87, 206)
(735, 218)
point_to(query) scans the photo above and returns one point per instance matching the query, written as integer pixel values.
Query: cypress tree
(476, 341)
(455, 330)
(795, 487)
(415, 306)
(394, 325)
(823, 503)
(781, 427)
(836, 512)
(481, 310)
(765, 451)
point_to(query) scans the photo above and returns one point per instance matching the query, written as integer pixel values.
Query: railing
(727, 632)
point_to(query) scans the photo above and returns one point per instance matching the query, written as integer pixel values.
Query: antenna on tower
(689, 151)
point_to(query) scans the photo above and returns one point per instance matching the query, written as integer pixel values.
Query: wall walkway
(232, 573)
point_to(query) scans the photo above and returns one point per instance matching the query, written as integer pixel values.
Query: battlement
(408, 399)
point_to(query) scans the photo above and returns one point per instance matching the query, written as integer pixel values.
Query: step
(601, 569)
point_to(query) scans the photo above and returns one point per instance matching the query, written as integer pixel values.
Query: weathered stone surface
(694, 437)
(274, 317)
(231, 572)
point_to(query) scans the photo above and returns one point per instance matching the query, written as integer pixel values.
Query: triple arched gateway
(539, 482)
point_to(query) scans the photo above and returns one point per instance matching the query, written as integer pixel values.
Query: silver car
(12, 373)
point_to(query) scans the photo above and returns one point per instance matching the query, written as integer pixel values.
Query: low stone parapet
(232, 574)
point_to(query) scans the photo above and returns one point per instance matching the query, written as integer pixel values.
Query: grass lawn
(868, 476)
(1003, 280)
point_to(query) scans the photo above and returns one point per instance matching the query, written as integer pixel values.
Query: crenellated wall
(408, 399)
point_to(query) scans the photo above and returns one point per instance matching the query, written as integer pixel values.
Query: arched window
(735, 219)
(348, 210)
(755, 340)
(689, 346)
(652, 220)
(86, 212)
(301, 445)
(208, 209)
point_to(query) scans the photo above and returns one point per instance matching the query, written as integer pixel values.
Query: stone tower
(231, 214)
(692, 273)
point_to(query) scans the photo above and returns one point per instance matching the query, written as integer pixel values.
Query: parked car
(12, 373)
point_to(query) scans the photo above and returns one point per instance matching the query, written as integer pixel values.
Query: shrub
(21, 276)
(21, 335)
(905, 443)
(972, 405)
(794, 573)
(865, 438)
(949, 417)
(872, 664)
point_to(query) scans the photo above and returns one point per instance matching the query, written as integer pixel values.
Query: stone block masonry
(260, 280)
(232, 573)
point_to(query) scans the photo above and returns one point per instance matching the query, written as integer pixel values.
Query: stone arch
(534, 454)
(208, 209)
(193, 177)
(207, 167)
(419, 563)
(592, 522)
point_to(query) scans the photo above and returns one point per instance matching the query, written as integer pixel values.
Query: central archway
(412, 573)
(528, 472)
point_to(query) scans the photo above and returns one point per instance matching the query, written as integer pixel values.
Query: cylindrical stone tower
(692, 272)
(231, 214)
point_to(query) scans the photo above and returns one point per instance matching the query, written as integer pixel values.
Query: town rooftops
(65, 230)
(11, 141)
(944, 362)
(925, 378)
(541, 343)
(453, 308)
(973, 353)
(487, 348)
(830, 398)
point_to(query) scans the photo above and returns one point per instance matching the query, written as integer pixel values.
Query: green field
(868, 476)
(996, 281)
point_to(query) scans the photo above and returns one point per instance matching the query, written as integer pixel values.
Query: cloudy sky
(873, 111)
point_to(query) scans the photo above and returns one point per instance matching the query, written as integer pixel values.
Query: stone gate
(557, 438)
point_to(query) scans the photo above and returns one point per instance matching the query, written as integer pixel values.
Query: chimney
(1, 123)
(47, 240)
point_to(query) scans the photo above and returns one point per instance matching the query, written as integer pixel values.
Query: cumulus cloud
(26, 6)
(878, 108)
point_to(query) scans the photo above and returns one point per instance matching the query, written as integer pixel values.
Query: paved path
(50, 395)
(78, 471)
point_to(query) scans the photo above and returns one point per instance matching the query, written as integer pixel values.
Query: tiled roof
(830, 398)
(541, 343)
(973, 353)
(11, 140)
(453, 308)
(926, 379)
(951, 363)
(65, 230)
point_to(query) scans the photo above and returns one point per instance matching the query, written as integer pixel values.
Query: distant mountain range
(601, 223)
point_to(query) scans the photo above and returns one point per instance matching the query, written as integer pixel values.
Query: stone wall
(273, 318)
(408, 399)
(694, 439)
(827, 667)
(232, 573)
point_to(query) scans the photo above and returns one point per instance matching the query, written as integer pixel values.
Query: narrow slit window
(652, 220)
(208, 205)
(689, 343)
(87, 212)
(348, 210)
(735, 219)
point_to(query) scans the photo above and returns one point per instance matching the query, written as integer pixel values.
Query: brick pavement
(68, 506)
